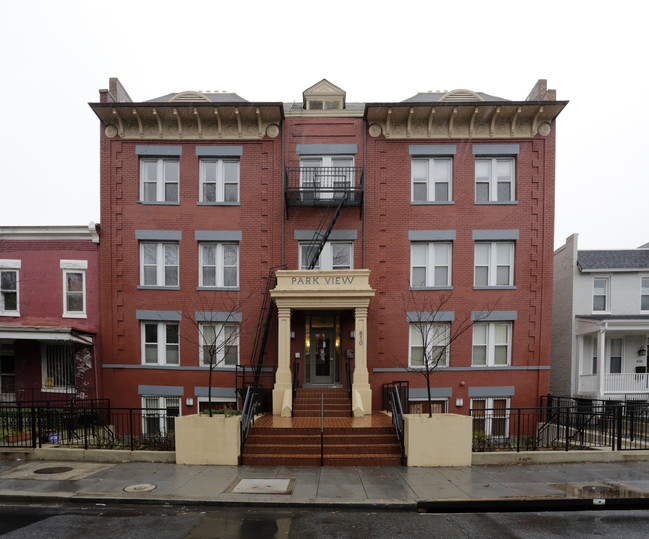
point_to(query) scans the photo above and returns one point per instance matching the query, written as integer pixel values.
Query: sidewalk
(535, 486)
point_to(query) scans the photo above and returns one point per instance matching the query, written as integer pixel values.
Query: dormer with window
(323, 96)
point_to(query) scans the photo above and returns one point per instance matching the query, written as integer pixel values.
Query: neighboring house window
(491, 416)
(219, 344)
(159, 264)
(326, 177)
(594, 345)
(219, 179)
(494, 179)
(492, 344)
(429, 345)
(335, 255)
(7, 372)
(159, 180)
(616, 356)
(600, 294)
(438, 406)
(74, 288)
(158, 415)
(9, 304)
(494, 263)
(430, 264)
(644, 294)
(219, 265)
(432, 179)
(58, 367)
(160, 343)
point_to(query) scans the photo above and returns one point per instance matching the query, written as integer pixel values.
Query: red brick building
(388, 226)
(49, 313)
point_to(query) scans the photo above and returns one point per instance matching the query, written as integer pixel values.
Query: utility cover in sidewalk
(142, 487)
(257, 485)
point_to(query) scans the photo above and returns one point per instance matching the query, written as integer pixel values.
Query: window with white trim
(160, 343)
(337, 255)
(616, 347)
(494, 179)
(491, 416)
(644, 294)
(159, 179)
(430, 264)
(494, 263)
(219, 344)
(219, 180)
(9, 299)
(429, 345)
(218, 265)
(432, 179)
(74, 288)
(326, 176)
(601, 286)
(58, 367)
(158, 415)
(158, 264)
(492, 344)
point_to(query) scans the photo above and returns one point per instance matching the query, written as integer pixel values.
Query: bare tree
(217, 324)
(433, 332)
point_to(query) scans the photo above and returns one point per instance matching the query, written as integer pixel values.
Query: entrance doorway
(323, 355)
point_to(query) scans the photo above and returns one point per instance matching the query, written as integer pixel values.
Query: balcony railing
(623, 383)
(322, 186)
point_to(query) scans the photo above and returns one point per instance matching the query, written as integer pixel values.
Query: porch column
(282, 392)
(601, 361)
(361, 392)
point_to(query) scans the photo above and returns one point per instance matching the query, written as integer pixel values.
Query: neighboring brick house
(49, 313)
(203, 195)
(600, 323)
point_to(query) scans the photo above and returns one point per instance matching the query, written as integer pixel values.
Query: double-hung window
(326, 177)
(219, 344)
(644, 294)
(494, 179)
(494, 264)
(429, 345)
(601, 287)
(74, 288)
(491, 416)
(337, 255)
(616, 353)
(219, 180)
(160, 343)
(219, 265)
(158, 414)
(430, 264)
(492, 344)
(9, 304)
(432, 179)
(58, 367)
(159, 180)
(159, 264)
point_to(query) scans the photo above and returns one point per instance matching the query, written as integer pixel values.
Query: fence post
(130, 426)
(567, 429)
(518, 428)
(84, 417)
(619, 428)
(631, 422)
(33, 424)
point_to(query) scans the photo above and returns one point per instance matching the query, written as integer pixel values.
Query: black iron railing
(247, 415)
(318, 186)
(348, 376)
(398, 420)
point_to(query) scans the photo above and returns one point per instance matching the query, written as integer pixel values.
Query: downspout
(283, 192)
(364, 183)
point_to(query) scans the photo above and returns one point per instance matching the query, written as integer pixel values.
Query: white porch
(611, 359)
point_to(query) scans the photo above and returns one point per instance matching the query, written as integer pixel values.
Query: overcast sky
(56, 55)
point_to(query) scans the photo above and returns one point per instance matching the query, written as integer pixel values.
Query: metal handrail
(321, 429)
(247, 416)
(296, 370)
(398, 421)
(348, 375)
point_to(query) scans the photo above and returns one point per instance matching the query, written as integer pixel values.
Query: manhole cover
(142, 487)
(54, 470)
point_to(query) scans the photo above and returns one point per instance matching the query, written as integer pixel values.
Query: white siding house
(600, 323)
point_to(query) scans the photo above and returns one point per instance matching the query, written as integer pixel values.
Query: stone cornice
(191, 121)
(452, 120)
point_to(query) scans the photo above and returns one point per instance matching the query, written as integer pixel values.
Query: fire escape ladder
(321, 234)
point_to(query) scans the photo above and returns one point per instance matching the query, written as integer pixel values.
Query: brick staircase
(369, 441)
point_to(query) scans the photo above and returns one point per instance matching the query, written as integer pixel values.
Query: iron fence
(579, 426)
(87, 427)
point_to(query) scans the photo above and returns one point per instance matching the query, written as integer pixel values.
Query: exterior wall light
(642, 351)
(352, 334)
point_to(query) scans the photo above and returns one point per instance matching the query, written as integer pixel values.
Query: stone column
(282, 392)
(361, 392)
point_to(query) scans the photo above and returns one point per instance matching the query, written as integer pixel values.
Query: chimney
(540, 92)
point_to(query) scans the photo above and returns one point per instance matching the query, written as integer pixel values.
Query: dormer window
(324, 96)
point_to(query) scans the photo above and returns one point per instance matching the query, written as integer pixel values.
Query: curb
(504, 505)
